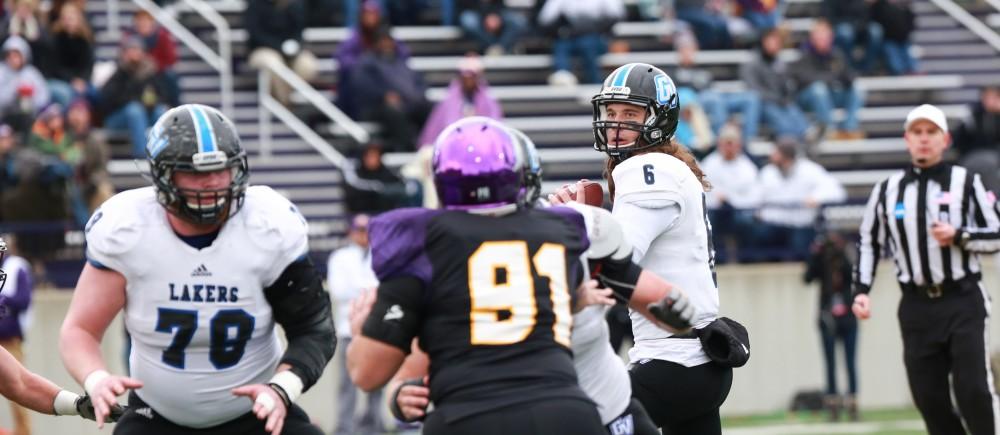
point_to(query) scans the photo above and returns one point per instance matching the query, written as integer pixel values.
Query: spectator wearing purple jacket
(362, 40)
(14, 303)
(390, 94)
(468, 95)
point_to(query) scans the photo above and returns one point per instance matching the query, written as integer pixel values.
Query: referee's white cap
(929, 113)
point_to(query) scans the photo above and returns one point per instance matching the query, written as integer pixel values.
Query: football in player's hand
(593, 193)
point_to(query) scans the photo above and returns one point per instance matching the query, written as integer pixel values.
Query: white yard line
(828, 428)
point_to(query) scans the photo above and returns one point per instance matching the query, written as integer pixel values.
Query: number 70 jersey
(199, 321)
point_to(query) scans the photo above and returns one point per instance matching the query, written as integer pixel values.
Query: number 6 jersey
(199, 321)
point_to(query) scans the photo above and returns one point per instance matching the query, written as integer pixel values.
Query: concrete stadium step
(921, 36)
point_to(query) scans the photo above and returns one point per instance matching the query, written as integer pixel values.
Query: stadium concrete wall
(770, 300)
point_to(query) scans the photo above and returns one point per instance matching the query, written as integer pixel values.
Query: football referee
(936, 218)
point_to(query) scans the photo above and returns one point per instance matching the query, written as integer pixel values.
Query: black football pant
(634, 421)
(682, 400)
(151, 423)
(544, 417)
(949, 335)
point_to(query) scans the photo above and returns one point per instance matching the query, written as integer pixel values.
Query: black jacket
(74, 57)
(830, 68)
(981, 131)
(830, 265)
(850, 11)
(269, 23)
(896, 17)
(373, 191)
(128, 84)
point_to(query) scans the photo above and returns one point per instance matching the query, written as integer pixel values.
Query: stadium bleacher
(558, 119)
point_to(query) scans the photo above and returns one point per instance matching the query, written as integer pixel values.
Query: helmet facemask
(646, 87)
(203, 206)
(530, 178)
(650, 134)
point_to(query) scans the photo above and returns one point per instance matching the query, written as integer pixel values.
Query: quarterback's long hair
(672, 148)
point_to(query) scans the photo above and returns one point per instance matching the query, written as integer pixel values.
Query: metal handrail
(995, 4)
(970, 22)
(269, 106)
(221, 61)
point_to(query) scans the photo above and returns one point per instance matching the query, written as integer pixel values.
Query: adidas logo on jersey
(394, 312)
(201, 271)
(145, 412)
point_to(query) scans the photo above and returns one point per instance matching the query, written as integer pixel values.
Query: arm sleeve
(872, 239)
(985, 236)
(302, 307)
(396, 316)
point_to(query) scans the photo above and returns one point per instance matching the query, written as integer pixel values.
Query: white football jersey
(199, 320)
(660, 205)
(600, 372)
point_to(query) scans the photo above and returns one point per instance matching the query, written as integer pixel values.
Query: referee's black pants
(950, 335)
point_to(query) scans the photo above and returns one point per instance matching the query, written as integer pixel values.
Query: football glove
(675, 310)
(86, 409)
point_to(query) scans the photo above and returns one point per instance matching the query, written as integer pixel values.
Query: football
(593, 193)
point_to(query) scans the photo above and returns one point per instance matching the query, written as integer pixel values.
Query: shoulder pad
(116, 227)
(577, 215)
(397, 239)
(655, 175)
(273, 222)
(603, 232)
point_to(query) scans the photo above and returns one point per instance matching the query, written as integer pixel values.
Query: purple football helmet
(477, 164)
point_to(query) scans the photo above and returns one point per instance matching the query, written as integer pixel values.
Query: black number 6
(647, 172)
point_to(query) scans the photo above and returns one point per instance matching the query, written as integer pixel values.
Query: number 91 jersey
(199, 320)
(495, 305)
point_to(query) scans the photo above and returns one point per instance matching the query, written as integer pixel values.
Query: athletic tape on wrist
(93, 379)
(290, 384)
(65, 403)
(266, 401)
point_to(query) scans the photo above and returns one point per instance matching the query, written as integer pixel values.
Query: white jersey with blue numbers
(599, 371)
(199, 321)
(660, 205)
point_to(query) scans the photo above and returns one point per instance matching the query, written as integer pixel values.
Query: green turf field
(881, 422)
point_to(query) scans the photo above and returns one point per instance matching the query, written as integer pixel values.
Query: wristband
(93, 379)
(65, 403)
(288, 384)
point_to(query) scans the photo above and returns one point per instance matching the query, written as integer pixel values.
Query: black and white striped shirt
(900, 213)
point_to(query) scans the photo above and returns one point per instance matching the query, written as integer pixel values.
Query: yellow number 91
(489, 295)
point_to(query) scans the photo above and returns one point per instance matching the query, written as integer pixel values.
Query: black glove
(86, 409)
(676, 310)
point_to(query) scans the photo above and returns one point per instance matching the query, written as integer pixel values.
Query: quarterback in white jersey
(658, 194)
(600, 372)
(202, 287)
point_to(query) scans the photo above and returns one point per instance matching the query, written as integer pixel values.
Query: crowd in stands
(58, 108)
(59, 105)
(795, 100)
